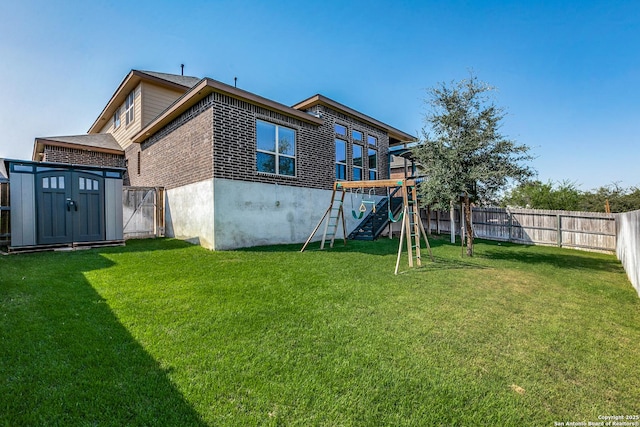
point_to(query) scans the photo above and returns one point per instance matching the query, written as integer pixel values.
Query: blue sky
(567, 72)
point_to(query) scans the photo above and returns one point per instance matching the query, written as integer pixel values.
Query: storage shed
(58, 205)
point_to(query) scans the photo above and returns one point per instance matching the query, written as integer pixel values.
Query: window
(276, 149)
(341, 159)
(116, 119)
(53, 182)
(340, 130)
(356, 135)
(357, 162)
(373, 164)
(128, 109)
(372, 140)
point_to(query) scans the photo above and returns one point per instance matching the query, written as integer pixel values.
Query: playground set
(411, 228)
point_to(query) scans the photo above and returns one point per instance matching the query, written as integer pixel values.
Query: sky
(567, 72)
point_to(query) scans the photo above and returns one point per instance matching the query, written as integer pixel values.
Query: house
(238, 169)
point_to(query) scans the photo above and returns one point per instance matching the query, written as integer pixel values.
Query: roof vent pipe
(182, 69)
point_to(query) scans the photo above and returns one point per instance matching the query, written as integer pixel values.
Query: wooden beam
(374, 183)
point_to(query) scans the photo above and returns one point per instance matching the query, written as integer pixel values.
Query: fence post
(559, 231)
(510, 224)
(452, 226)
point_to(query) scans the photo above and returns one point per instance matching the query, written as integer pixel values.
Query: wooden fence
(579, 230)
(5, 225)
(143, 212)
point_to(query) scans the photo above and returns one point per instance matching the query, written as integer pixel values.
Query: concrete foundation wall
(189, 212)
(254, 214)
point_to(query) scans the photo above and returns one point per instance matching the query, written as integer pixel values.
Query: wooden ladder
(413, 228)
(334, 216)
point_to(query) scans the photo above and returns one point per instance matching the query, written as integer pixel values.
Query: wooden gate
(143, 212)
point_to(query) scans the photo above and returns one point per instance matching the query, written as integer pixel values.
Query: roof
(131, 81)
(207, 86)
(102, 142)
(318, 99)
(195, 89)
(186, 81)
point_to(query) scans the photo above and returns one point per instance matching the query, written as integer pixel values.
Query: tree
(620, 199)
(538, 195)
(463, 155)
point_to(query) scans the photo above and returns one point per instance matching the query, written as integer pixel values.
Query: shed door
(88, 210)
(54, 218)
(70, 207)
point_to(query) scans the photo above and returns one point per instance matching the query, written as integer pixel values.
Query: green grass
(164, 333)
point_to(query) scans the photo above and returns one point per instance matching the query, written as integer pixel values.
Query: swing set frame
(412, 227)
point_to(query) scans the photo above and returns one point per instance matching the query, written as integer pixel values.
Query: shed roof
(102, 142)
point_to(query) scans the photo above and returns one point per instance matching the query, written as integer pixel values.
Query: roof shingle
(186, 81)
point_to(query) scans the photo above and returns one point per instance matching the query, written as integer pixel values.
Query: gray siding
(113, 209)
(23, 210)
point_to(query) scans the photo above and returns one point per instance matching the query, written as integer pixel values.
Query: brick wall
(235, 146)
(66, 155)
(184, 151)
(332, 117)
(180, 154)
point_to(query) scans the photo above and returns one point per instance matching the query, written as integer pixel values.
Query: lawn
(164, 333)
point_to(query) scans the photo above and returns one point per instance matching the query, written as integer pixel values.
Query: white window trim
(117, 118)
(129, 107)
(277, 154)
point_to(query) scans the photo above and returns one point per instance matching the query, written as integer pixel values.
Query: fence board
(581, 230)
(142, 212)
(628, 245)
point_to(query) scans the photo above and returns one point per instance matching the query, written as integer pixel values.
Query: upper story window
(356, 135)
(276, 149)
(373, 164)
(372, 140)
(116, 119)
(341, 159)
(128, 107)
(340, 130)
(357, 162)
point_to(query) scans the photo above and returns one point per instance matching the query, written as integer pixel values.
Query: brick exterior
(382, 147)
(180, 154)
(217, 138)
(66, 155)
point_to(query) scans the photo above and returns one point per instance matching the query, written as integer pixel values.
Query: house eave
(207, 86)
(318, 99)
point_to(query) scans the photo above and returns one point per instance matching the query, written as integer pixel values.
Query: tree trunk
(468, 225)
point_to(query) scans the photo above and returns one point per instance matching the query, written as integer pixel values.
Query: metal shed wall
(113, 209)
(23, 209)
